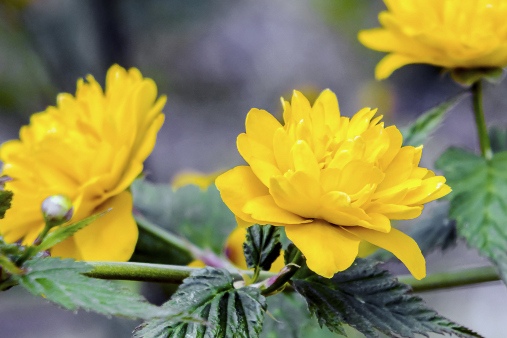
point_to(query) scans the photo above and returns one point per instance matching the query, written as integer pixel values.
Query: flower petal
(264, 210)
(327, 248)
(390, 63)
(401, 245)
(113, 236)
(238, 186)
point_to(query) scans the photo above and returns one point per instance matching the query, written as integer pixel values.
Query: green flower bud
(57, 209)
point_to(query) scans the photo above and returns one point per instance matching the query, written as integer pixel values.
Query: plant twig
(446, 280)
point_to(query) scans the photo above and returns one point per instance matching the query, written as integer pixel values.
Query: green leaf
(418, 132)
(62, 282)
(200, 216)
(479, 201)
(209, 294)
(262, 246)
(372, 301)
(63, 232)
(5, 201)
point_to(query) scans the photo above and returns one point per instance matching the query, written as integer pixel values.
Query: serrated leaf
(5, 201)
(61, 233)
(418, 132)
(262, 246)
(372, 301)
(209, 294)
(200, 216)
(479, 201)
(62, 282)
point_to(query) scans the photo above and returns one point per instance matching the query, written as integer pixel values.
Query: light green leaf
(5, 201)
(479, 201)
(200, 216)
(372, 301)
(209, 294)
(262, 246)
(61, 233)
(419, 131)
(62, 282)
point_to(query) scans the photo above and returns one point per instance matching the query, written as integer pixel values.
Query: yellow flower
(446, 33)
(331, 181)
(90, 147)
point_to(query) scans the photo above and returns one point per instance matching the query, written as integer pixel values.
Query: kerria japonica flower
(447, 33)
(331, 181)
(89, 147)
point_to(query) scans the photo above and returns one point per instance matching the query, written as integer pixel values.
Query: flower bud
(57, 209)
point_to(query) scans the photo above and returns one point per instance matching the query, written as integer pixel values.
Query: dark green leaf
(62, 282)
(479, 201)
(262, 246)
(419, 131)
(372, 301)
(209, 294)
(197, 215)
(5, 201)
(468, 76)
(63, 232)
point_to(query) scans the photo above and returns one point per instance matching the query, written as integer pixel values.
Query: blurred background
(215, 60)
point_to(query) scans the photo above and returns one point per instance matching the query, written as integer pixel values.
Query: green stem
(181, 244)
(175, 274)
(446, 280)
(170, 239)
(279, 281)
(480, 121)
(160, 273)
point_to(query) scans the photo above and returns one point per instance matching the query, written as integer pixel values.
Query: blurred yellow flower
(202, 180)
(446, 33)
(332, 181)
(90, 147)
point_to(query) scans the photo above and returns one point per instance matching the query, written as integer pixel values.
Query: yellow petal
(401, 245)
(328, 249)
(238, 186)
(395, 211)
(261, 126)
(390, 63)
(264, 210)
(298, 194)
(112, 237)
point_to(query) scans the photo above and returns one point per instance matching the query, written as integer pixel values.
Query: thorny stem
(480, 121)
